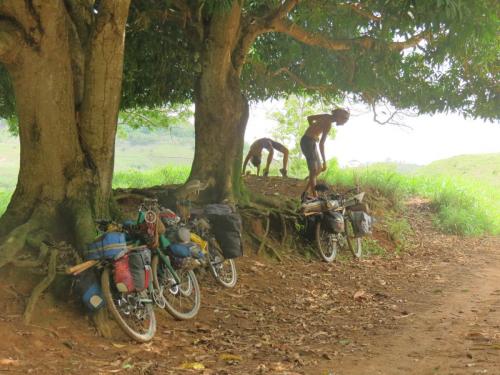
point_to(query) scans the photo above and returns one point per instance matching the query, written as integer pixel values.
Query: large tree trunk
(67, 88)
(221, 111)
(220, 123)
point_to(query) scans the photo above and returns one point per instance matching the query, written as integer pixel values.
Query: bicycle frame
(163, 244)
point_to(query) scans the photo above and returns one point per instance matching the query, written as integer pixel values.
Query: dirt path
(433, 309)
(455, 333)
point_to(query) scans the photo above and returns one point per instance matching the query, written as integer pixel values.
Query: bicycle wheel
(132, 311)
(326, 243)
(223, 270)
(353, 242)
(182, 300)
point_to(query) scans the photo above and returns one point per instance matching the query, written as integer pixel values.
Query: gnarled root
(102, 323)
(14, 242)
(40, 288)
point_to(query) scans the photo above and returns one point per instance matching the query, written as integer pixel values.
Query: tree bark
(221, 110)
(67, 98)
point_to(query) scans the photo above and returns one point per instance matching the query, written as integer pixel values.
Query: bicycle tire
(114, 310)
(354, 243)
(215, 269)
(327, 249)
(171, 291)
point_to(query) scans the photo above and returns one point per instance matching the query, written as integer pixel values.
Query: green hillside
(478, 168)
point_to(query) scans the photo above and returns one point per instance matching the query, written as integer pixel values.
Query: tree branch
(257, 26)
(80, 13)
(281, 11)
(298, 33)
(393, 119)
(357, 8)
(12, 35)
(301, 82)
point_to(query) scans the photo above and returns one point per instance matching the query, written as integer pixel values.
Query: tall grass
(462, 206)
(4, 200)
(153, 177)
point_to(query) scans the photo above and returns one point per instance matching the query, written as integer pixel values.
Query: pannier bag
(140, 268)
(333, 222)
(362, 223)
(122, 275)
(110, 245)
(184, 250)
(89, 288)
(185, 255)
(226, 227)
(132, 272)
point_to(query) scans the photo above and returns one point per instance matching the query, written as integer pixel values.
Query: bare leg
(268, 164)
(311, 182)
(285, 163)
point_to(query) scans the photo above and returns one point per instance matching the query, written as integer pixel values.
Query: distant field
(477, 168)
(134, 156)
(9, 161)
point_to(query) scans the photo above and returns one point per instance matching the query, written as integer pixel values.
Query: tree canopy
(432, 56)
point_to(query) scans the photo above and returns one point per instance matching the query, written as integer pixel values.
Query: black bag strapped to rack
(333, 222)
(362, 223)
(226, 227)
(140, 267)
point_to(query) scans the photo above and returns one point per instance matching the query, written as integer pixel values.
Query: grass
(483, 167)
(158, 176)
(4, 200)
(462, 206)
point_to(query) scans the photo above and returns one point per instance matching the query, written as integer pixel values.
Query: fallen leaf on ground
(9, 362)
(360, 294)
(192, 366)
(230, 357)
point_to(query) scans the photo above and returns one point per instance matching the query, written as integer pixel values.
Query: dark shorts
(310, 151)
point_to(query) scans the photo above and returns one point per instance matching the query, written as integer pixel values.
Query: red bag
(123, 277)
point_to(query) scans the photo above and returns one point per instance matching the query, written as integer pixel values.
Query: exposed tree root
(283, 229)
(14, 242)
(277, 214)
(102, 323)
(133, 196)
(33, 263)
(40, 288)
(273, 251)
(264, 237)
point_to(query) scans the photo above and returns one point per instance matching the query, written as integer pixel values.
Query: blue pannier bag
(87, 285)
(108, 246)
(184, 250)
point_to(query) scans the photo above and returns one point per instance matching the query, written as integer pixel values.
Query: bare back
(319, 125)
(259, 144)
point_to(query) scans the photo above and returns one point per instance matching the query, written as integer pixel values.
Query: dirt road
(433, 309)
(454, 331)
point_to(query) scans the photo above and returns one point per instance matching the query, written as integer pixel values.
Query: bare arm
(322, 144)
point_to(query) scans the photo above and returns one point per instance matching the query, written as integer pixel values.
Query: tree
(64, 63)
(437, 55)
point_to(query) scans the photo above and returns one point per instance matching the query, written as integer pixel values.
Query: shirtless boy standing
(319, 127)
(255, 155)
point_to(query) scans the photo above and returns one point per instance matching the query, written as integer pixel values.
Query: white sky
(362, 140)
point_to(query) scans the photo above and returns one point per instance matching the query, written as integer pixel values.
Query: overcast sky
(429, 138)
